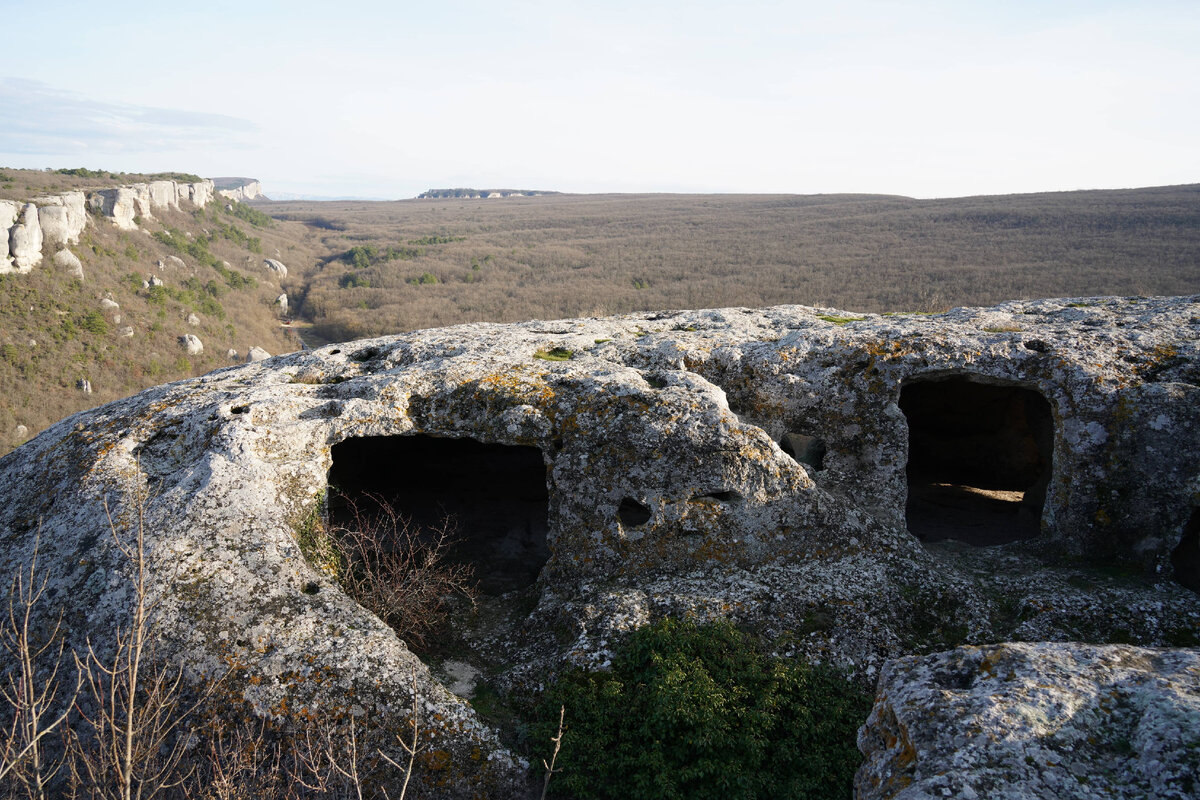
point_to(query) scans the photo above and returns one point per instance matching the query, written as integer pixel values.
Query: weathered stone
(275, 266)
(282, 302)
(174, 261)
(163, 195)
(125, 332)
(193, 320)
(25, 240)
(62, 218)
(191, 344)
(141, 200)
(108, 304)
(68, 261)
(256, 353)
(231, 354)
(20, 433)
(8, 216)
(119, 205)
(1053, 719)
(632, 468)
(84, 385)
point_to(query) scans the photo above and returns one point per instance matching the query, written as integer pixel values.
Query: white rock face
(141, 200)
(1030, 720)
(282, 302)
(191, 344)
(202, 193)
(175, 261)
(66, 260)
(63, 217)
(25, 240)
(256, 353)
(240, 191)
(8, 217)
(164, 195)
(120, 205)
(275, 266)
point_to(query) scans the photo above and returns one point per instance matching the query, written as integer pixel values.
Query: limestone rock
(8, 216)
(125, 332)
(164, 195)
(1030, 720)
(256, 353)
(108, 304)
(282, 302)
(84, 385)
(25, 240)
(193, 320)
(119, 205)
(63, 217)
(231, 354)
(616, 470)
(20, 433)
(68, 261)
(275, 266)
(191, 344)
(153, 280)
(141, 200)
(175, 261)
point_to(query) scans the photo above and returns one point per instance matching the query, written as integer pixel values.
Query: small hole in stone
(632, 513)
(558, 443)
(723, 496)
(312, 587)
(240, 410)
(656, 381)
(804, 449)
(335, 351)
(366, 354)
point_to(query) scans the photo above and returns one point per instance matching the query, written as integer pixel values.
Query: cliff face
(858, 487)
(56, 221)
(239, 189)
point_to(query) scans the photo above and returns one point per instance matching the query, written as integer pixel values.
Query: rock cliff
(239, 189)
(857, 488)
(57, 221)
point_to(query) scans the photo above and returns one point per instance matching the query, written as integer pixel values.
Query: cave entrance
(1185, 558)
(979, 459)
(495, 495)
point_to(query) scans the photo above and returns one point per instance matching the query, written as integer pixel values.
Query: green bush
(94, 322)
(249, 214)
(701, 711)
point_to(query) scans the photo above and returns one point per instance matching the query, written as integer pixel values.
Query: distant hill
(487, 194)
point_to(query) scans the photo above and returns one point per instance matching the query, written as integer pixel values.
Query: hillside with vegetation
(67, 344)
(395, 266)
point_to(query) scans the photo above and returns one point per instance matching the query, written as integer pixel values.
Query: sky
(387, 99)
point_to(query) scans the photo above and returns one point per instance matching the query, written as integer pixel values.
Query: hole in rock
(979, 460)
(632, 513)
(723, 496)
(240, 410)
(1185, 558)
(804, 449)
(494, 494)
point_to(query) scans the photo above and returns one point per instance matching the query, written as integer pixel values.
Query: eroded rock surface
(1016, 720)
(739, 463)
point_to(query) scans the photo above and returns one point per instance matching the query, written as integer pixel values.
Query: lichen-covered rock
(727, 462)
(1016, 721)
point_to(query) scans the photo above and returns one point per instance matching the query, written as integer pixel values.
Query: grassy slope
(54, 331)
(572, 255)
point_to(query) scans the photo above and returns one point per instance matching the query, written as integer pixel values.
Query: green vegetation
(437, 239)
(84, 172)
(425, 279)
(836, 320)
(246, 213)
(554, 354)
(702, 711)
(363, 256)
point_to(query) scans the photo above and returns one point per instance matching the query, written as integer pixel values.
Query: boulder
(153, 280)
(119, 205)
(275, 266)
(231, 354)
(68, 261)
(282, 302)
(612, 471)
(84, 385)
(125, 332)
(191, 344)
(1026, 720)
(193, 320)
(108, 304)
(20, 433)
(174, 261)
(256, 353)
(25, 240)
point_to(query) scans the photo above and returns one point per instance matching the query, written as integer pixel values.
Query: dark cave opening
(1185, 558)
(979, 459)
(495, 496)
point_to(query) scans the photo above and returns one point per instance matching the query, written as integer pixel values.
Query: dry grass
(572, 255)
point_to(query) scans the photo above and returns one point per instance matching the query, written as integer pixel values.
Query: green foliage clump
(426, 279)
(84, 172)
(249, 214)
(197, 248)
(363, 256)
(94, 322)
(444, 238)
(836, 320)
(353, 280)
(701, 711)
(239, 237)
(554, 354)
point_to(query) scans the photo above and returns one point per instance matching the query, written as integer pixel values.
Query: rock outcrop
(70, 263)
(56, 221)
(1015, 721)
(777, 466)
(275, 266)
(238, 189)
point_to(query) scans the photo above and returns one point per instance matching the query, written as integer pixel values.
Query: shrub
(94, 322)
(701, 711)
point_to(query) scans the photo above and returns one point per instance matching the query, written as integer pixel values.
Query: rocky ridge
(739, 463)
(56, 221)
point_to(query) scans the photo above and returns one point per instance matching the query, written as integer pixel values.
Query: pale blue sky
(385, 99)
